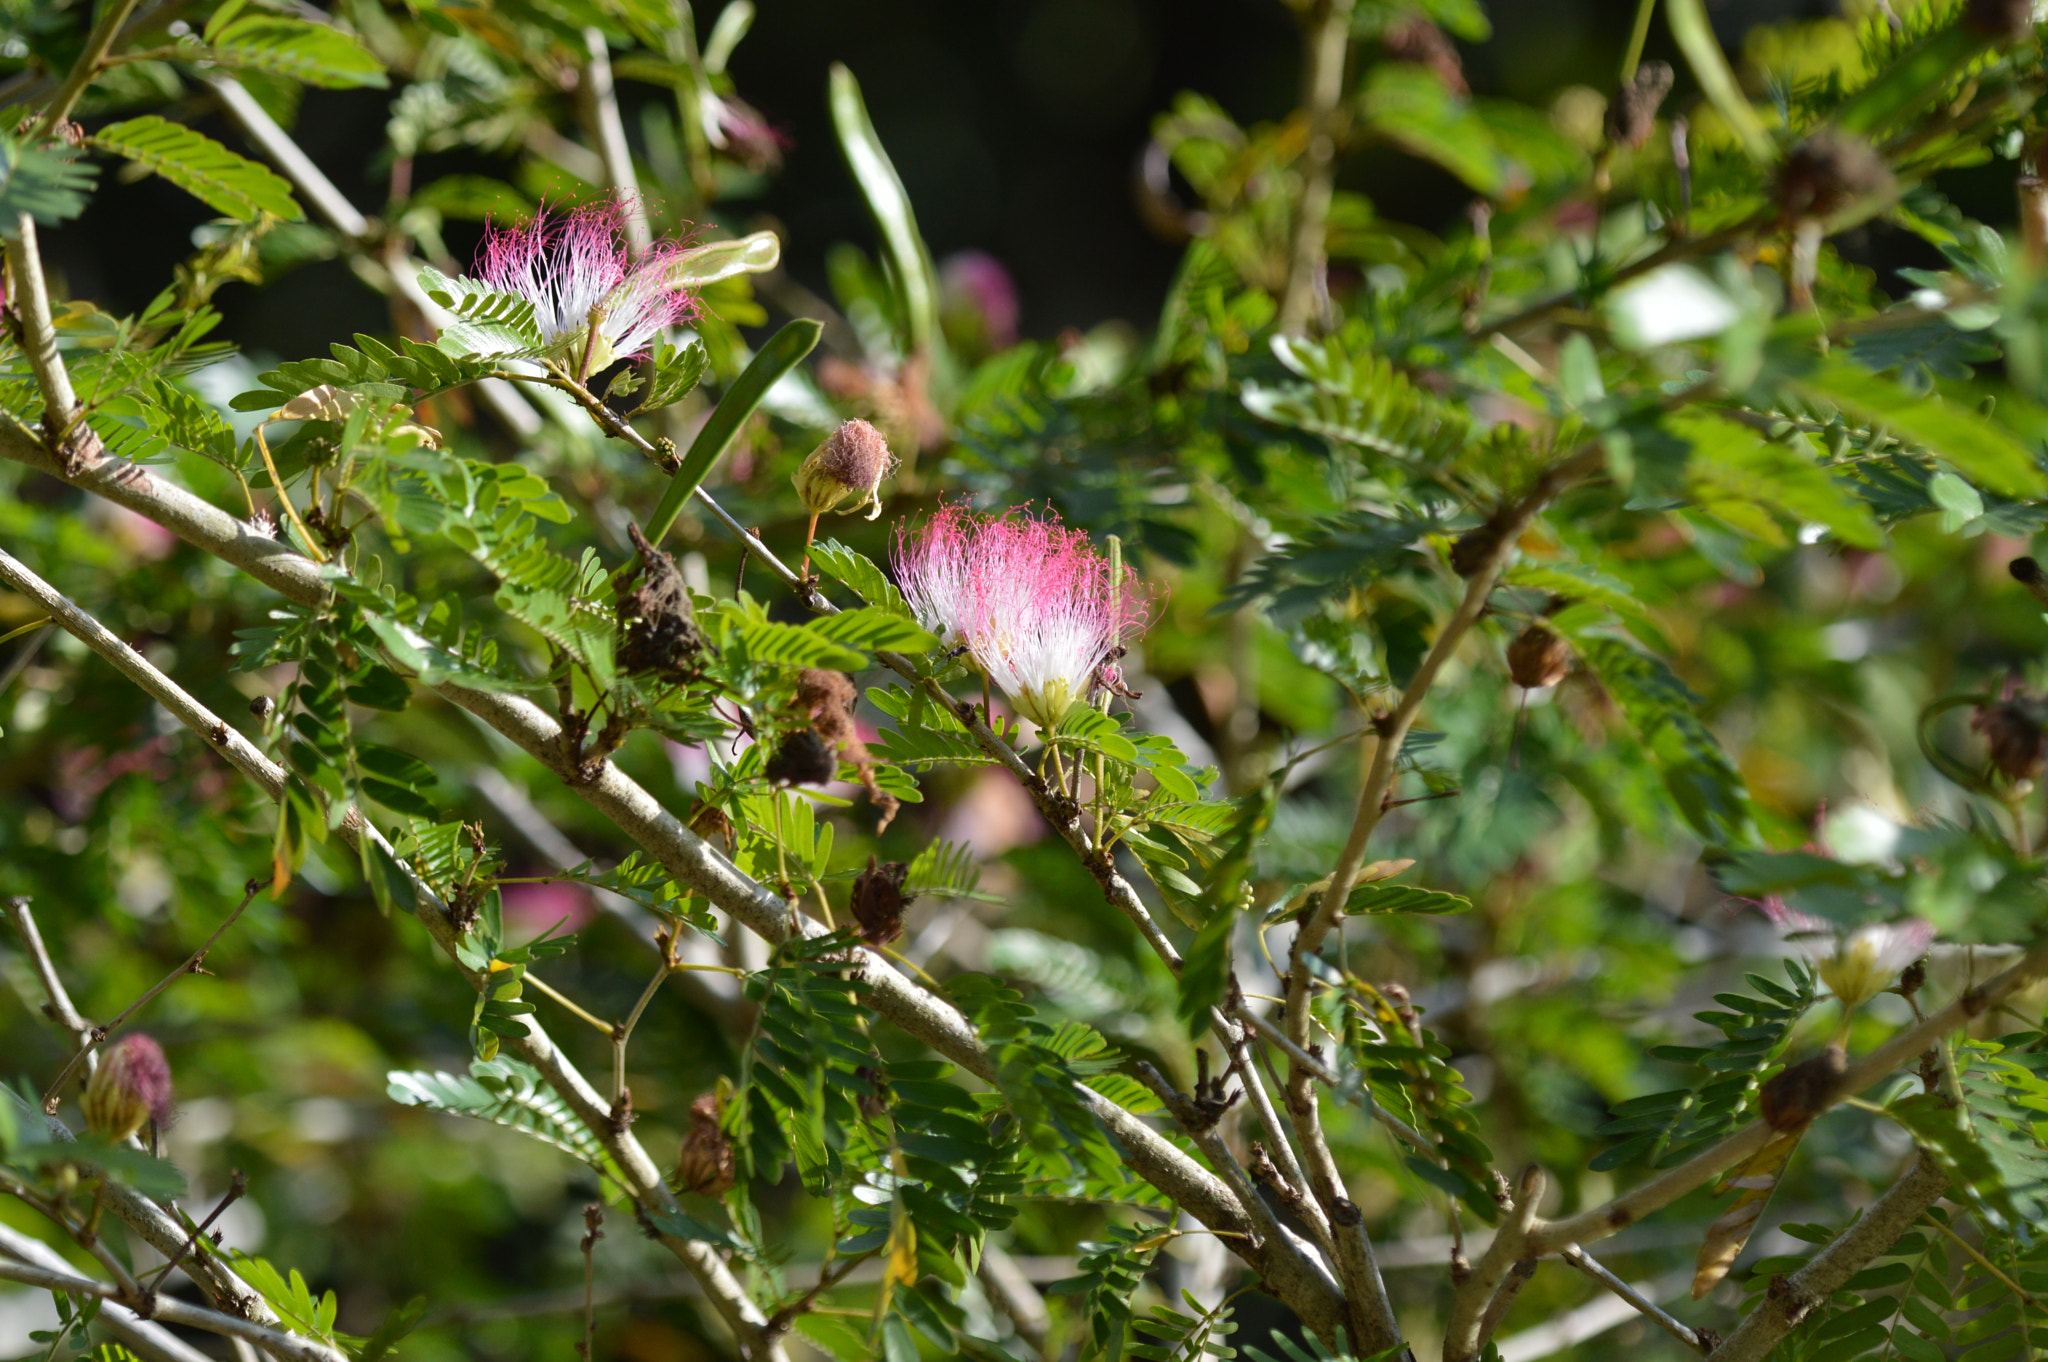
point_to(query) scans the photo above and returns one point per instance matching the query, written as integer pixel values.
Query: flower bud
(1539, 658)
(852, 462)
(131, 1086)
(1416, 41)
(2013, 737)
(802, 759)
(1830, 171)
(706, 1164)
(879, 901)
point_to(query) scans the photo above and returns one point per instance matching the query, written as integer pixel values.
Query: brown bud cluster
(1539, 657)
(1475, 548)
(706, 1164)
(1632, 114)
(1793, 1098)
(1828, 172)
(828, 698)
(852, 461)
(131, 1086)
(879, 901)
(802, 759)
(2013, 735)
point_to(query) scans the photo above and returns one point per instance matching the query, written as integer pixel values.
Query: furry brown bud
(879, 901)
(711, 823)
(131, 1086)
(1632, 114)
(802, 759)
(1793, 1098)
(1475, 548)
(1830, 171)
(852, 462)
(706, 1165)
(2013, 736)
(1538, 658)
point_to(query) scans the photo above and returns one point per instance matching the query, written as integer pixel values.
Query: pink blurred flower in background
(1033, 601)
(531, 909)
(978, 301)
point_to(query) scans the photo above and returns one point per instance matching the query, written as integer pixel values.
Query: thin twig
(58, 1008)
(170, 1310)
(1326, 41)
(1588, 1264)
(84, 69)
(593, 1217)
(53, 1094)
(238, 1183)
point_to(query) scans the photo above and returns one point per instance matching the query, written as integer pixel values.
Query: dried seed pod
(1539, 657)
(1632, 114)
(802, 759)
(657, 624)
(1793, 1098)
(706, 1164)
(879, 901)
(852, 461)
(1828, 172)
(828, 698)
(131, 1086)
(2012, 736)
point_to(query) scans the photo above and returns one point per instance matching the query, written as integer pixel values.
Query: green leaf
(401, 1321)
(1702, 779)
(1205, 971)
(317, 54)
(1981, 450)
(675, 373)
(202, 167)
(1732, 469)
(858, 574)
(874, 629)
(1408, 106)
(888, 201)
(1694, 34)
(49, 183)
(504, 1092)
(486, 322)
(796, 645)
(1402, 898)
(783, 352)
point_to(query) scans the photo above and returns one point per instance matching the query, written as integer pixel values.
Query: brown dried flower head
(1539, 657)
(1418, 42)
(657, 624)
(131, 1086)
(1828, 172)
(2013, 736)
(802, 759)
(852, 462)
(706, 1164)
(879, 901)
(1632, 114)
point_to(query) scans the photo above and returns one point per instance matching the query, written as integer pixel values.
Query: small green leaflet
(859, 575)
(486, 322)
(49, 183)
(314, 53)
(200, 166)
(1403, 898)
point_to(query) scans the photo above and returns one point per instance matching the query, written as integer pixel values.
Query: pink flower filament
(1031, 600)
(571, 267)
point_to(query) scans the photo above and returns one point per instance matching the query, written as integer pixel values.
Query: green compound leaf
(200, 166)
(303, 51)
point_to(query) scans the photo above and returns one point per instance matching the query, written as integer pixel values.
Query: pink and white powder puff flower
(1032, 601)
(577, 272)
(1856, 965)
